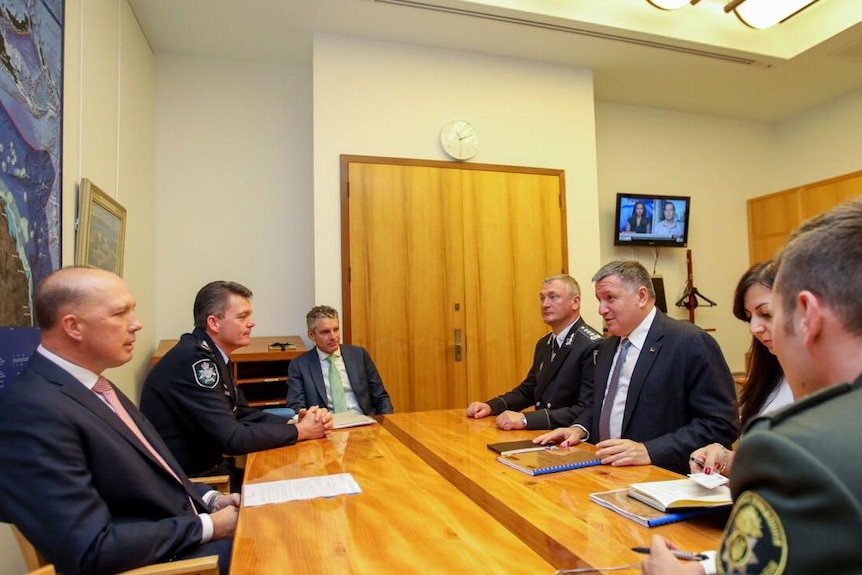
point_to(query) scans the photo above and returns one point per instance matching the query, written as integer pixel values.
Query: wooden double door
(442, 267)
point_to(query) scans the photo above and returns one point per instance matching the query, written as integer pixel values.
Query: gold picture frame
(101, 230)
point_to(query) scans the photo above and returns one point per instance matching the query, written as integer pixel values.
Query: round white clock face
(459, 139)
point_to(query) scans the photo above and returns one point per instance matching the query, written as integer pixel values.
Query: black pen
(684, 555)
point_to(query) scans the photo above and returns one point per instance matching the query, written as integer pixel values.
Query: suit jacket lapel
(550, 368)
(602, 373)
(646, 359)
(316, 369)
(87, 398)
(351, 367)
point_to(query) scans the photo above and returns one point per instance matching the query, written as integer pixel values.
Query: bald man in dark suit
(93, 493)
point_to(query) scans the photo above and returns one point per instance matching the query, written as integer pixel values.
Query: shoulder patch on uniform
(754, 539)
(590, 333)
(206, 373)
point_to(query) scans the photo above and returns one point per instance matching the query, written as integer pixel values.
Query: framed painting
(101, 230)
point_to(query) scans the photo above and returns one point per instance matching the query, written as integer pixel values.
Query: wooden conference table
(435, 500)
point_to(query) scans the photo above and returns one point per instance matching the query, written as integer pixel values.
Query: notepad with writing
(680, 494)
(549, 460)
(619, 501)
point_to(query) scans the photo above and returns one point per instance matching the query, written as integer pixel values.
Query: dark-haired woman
(766, 389)
(638, 222)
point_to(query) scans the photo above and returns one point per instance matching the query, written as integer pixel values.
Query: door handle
(457, 345)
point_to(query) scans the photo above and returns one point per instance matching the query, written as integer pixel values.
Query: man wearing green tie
(339, 377)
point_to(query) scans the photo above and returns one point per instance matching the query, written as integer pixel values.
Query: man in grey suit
(662, 387)
(83, 474)
(357, 388)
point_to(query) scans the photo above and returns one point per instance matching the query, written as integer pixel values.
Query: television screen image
(643, 220)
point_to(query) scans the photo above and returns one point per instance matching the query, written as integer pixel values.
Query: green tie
(336, 387)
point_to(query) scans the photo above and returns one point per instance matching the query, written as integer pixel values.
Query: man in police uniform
(796, 479)
(193, 402)
(560, 382)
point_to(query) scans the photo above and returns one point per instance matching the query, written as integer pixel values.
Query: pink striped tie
(103, 387)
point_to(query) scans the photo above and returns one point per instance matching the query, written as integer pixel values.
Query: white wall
(382, 99)
(109, 138)
(821, 143)
(719, 163)
(234, 189)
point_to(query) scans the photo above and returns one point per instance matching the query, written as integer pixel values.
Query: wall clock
(459, 139)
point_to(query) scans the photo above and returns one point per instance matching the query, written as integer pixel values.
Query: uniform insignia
(202, 344)
(590, 333)
(569, 339)
(206, 373)
(754, 539)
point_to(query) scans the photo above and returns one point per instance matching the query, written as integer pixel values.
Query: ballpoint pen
(684, 555)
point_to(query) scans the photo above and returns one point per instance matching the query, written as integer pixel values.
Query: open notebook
(619, 500)
(680, 494)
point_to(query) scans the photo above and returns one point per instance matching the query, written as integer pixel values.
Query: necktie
(613, 384)
(103, 388)
(336, 386)
(555, 348)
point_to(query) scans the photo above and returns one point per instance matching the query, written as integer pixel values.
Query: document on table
(254, 494)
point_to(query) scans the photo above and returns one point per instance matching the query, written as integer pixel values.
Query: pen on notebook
(684, 555)
(697, 461)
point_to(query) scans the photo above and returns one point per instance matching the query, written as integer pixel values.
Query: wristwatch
(524, 419)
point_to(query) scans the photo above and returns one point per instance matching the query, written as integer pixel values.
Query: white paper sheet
(254, 494)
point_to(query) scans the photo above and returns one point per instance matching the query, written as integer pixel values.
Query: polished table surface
(435, 500)
(408, 519)
(552, 513)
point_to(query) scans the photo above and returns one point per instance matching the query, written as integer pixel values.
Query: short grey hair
(572, 286)
(319, 312)
(631, 273)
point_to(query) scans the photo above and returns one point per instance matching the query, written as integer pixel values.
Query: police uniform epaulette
(590, 333)
(203, 345)
(775, 417)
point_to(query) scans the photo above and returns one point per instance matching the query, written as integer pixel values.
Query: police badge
(206, 373)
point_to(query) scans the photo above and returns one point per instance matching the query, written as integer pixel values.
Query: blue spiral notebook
(548, 460)
(618, 500)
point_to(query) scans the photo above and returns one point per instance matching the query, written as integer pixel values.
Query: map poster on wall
(31, 88)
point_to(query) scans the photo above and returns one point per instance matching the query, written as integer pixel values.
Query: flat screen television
(660, 221)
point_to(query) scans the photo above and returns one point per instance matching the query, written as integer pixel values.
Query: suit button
(549, 405)
(538, 404)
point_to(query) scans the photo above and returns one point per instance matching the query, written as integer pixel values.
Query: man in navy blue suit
(83, 474)
(358, 387)
(662, 386)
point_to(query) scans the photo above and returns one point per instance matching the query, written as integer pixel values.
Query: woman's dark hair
(764, 371)
(634, 215)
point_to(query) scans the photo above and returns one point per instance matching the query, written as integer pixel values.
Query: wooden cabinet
(772, 217)
(261, 372)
